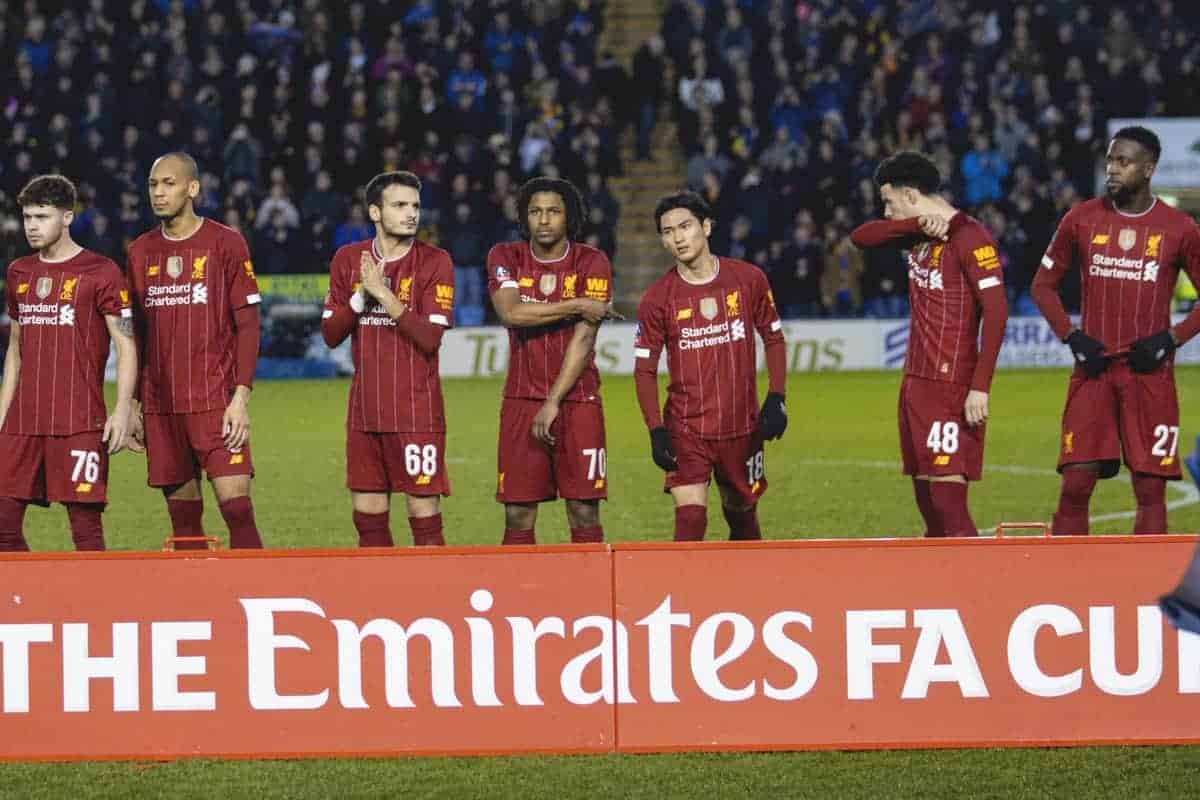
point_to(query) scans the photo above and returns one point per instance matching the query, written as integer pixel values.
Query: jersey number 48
(943, 437)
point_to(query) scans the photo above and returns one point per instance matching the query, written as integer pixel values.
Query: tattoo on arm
(125, 326)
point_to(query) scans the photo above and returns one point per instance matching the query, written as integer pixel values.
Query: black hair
(687, 200)
(1143, 136)
(911, 169)
(49, 190)
(189, 164)
(375, 189)
(571, 198)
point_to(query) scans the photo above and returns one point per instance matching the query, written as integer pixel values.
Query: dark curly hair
(49, 190)
(572, 199)
(911, 169)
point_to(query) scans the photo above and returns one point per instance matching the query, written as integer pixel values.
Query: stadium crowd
(290, 106)
(786, 108)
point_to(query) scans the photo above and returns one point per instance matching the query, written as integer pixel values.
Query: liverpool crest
(708, 308)
(1127, 238)
(44, 285)
(547, 283)
(174, 266)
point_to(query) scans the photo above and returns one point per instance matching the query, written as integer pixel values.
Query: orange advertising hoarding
(775, 645)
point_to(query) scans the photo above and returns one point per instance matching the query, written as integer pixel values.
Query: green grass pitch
(835, 474)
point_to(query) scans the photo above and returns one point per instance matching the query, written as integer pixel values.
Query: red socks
(512, 536)
(950, 504)
(427, 531)
(1071, 518)
(743, 525)
(12, 520)
(239, 516)
(373, 530)
(690, 523)
(933, 524)
(1151, 494)
(187, 520)
(87, 528)
(587, 534)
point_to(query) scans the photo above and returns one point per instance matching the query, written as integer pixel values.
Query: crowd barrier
(595, 649)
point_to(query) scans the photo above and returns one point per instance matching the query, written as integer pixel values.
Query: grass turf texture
(835, 474)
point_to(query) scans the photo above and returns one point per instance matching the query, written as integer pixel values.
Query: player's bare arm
(579, 349)
(119, 425)
(515, 314)
(12, 367)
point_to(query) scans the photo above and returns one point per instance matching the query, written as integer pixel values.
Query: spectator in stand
(354, 229)
(467, 243)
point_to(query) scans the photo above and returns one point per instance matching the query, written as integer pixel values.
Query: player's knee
(189, 490)
(230, 487)
(583, 513)
(370, 502)
(519, 517)
(423, 506)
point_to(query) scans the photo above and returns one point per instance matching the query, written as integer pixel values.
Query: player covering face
(956, 292)
(66, 305)
(552, 293)
(193, 282)
(704, 312)
(1122, 405)
(393, 296)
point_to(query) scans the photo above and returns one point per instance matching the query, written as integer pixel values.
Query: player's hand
(543, 420)
(593, 311)
(772, 419)
(1147, 353)
(235, 424)
(976, 407)
(372, 276)
(136, 443)
(1089, 353)
(660, 450)
(934, 227)
(116, 428)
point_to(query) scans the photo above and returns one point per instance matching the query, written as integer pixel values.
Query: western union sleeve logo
(68, 289)
(1100, 238)
(444, 295)
(986, 257)
(248, 266)
(597, 288)
(198, 264)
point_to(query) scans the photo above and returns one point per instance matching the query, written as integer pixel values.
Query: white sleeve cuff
(326, 314)
(776, 325)
(988, 283)
(357, 304)
(439, 319)
(126, 313)
(641, 352)
(509, 285)
(1047, 262)
(251, 299)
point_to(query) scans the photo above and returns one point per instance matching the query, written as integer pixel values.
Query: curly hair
(49, 190)
(572, 199)
(911, 169)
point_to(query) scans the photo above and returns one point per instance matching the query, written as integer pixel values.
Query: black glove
(660, 450)
(1088, 353)
(1148, 352)
(772, 420)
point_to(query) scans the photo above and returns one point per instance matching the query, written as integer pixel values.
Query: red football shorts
(737, 464)
(575, 469)
(1121, 413)
(179, 446)
(54, 469)
(407, 463)
(934, 436)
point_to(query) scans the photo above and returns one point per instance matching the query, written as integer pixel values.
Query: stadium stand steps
(640, 258)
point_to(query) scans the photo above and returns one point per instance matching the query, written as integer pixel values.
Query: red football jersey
(396, 387)
(1128, 268)
(711, 355)
(945, 285)
(61, 307)
(535, 355)
(186, 292)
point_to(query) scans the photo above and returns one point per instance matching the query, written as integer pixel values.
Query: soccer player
(394, 296)
(956, 291)
(552, 293)
(704, 311)
(66, 305)
(1129, 247)
(195, 310)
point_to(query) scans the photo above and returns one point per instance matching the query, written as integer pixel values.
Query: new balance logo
(199, 294)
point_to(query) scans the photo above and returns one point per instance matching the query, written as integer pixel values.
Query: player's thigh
(581, 452)
(1090, 423)
(909, 452)
(77, 468)
(939, 440)
(206, 436)
(416, 463)
(694, 458)
(169, 457)
(740, 467)
(366, 466)
(525, 469)
(1150, 424)
(23, 467)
